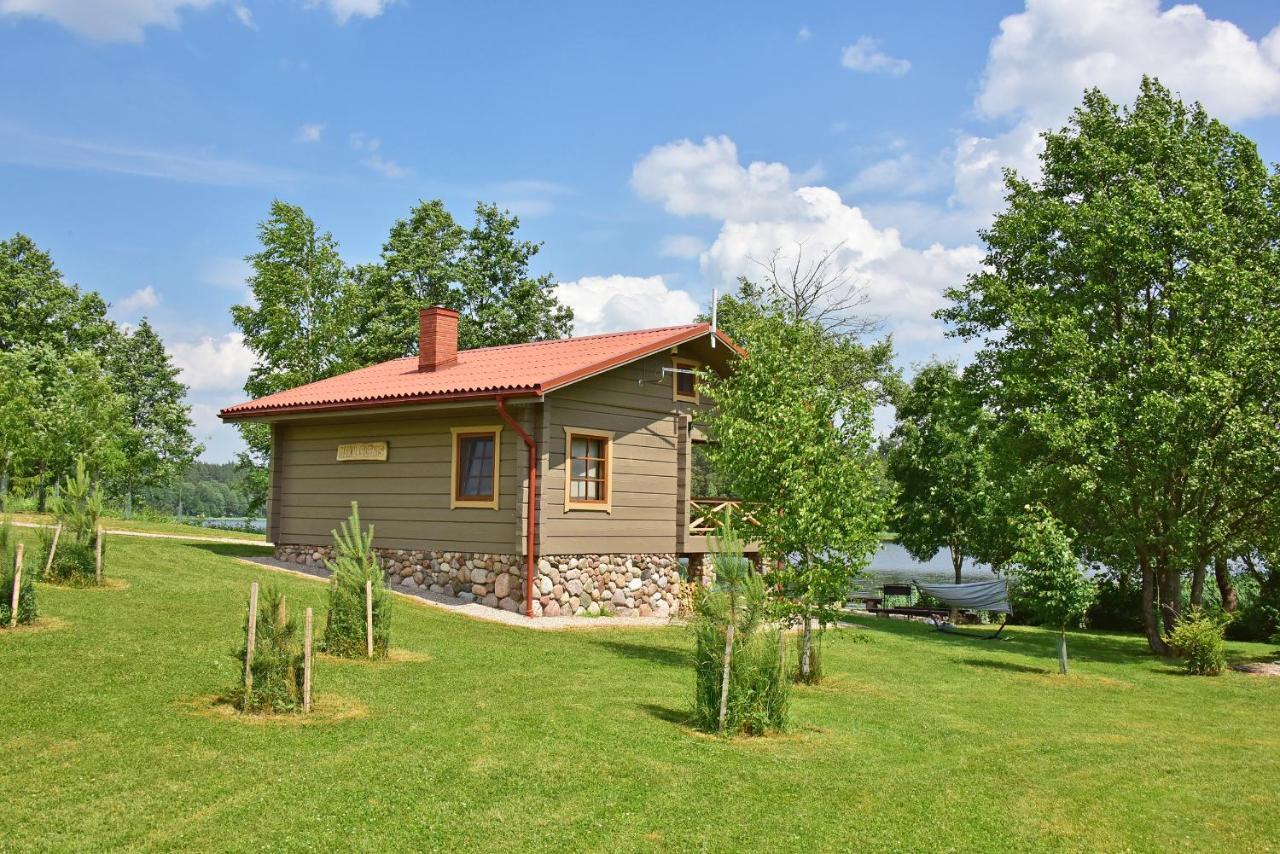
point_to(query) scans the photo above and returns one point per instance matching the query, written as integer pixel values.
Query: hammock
(975, 596)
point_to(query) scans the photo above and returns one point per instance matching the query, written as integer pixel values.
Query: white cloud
(865, 55)
(139, 300)
(804, 34)
(904, 175)
(705, 178)
(763, 207)
(369, 145)
(244, 16)
(122, 20)
(213, 363)
(310, 132)
(22, 146)
(682, 246)
(613, 303)
(344, 10)
(1046, 56)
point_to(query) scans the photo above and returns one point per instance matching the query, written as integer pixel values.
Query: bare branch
(821, 289)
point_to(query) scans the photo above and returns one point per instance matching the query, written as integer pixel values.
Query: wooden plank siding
(406, 497)
(647, 503)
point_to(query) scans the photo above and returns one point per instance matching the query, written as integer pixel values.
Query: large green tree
(1127, 310)
(299, 322)
(37, 306)
(793, 439)
(481, 272)
(940, 463)
(159, 445)
(19, 398)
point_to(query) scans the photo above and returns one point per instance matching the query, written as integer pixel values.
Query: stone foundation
(565, 585)
(622, 585)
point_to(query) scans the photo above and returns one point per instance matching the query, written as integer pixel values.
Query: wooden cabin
(555, 477)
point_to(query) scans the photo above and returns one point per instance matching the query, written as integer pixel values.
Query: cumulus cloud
(244, 16)
(765, 207)
(865, 55)
(124, 20)
(139, 300)
(1046, 56)
(682, 246)
(213, 364)
(613, 303)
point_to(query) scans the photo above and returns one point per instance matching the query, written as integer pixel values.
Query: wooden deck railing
(706, 515)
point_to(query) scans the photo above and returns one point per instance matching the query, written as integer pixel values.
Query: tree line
(75, 385)
(313, 315)
(1127, 377)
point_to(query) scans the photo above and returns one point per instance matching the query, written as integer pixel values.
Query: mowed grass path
(505, 738)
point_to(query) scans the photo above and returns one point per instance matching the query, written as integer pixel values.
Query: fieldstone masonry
(565, 585)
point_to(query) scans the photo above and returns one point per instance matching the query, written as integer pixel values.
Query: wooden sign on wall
(362, 451)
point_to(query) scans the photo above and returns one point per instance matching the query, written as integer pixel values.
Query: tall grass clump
(77, 506)
(277, 660)
(27, 612)
(1198, 639)
(739, 683)
(354, 563)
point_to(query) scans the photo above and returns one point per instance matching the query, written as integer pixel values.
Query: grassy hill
(497, 737)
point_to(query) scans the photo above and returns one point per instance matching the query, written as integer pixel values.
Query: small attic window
(684, 382)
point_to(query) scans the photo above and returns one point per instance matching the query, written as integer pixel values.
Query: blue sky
(658, 149)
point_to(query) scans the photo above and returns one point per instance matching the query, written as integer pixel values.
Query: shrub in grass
(353, 564)
(77, 505)
(1050, 585)
(729, 621)
(27, 612)
(277, 660)
(1198, 639)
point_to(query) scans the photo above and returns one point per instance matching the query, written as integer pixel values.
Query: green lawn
(117, 524)
(505, 738)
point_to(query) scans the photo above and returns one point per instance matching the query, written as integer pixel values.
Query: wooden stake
(253, 637)
(724, 676)
(17, 589)
(368, 614)
(97, 570)
(53, 549)
(306, 662)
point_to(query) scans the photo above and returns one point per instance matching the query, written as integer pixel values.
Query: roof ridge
(618, 334)
(547, 341)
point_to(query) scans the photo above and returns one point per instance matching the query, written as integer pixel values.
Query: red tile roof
(517, 369)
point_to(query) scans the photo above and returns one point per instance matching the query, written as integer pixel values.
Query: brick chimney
(437, 338)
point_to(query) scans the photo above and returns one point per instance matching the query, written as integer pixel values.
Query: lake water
(236, 524)
(892, 565)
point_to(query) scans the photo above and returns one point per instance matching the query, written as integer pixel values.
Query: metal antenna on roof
(714, 306)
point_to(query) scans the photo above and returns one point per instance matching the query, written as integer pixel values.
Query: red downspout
(530, 558)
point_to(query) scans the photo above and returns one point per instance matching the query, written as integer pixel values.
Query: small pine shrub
(277, 660)
(27, 611)
(1198, 639)
(354, 563)
(77, 505)
(759, 693)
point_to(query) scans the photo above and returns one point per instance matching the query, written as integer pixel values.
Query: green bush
(1198, 639)
(27, 611)
(355, 563)
(759, 692)
(1117, 606)
(77, 505)
(277, 660)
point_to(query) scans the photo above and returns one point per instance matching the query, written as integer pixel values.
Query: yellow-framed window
(684, 382)
(475, 467)
(588, 461)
